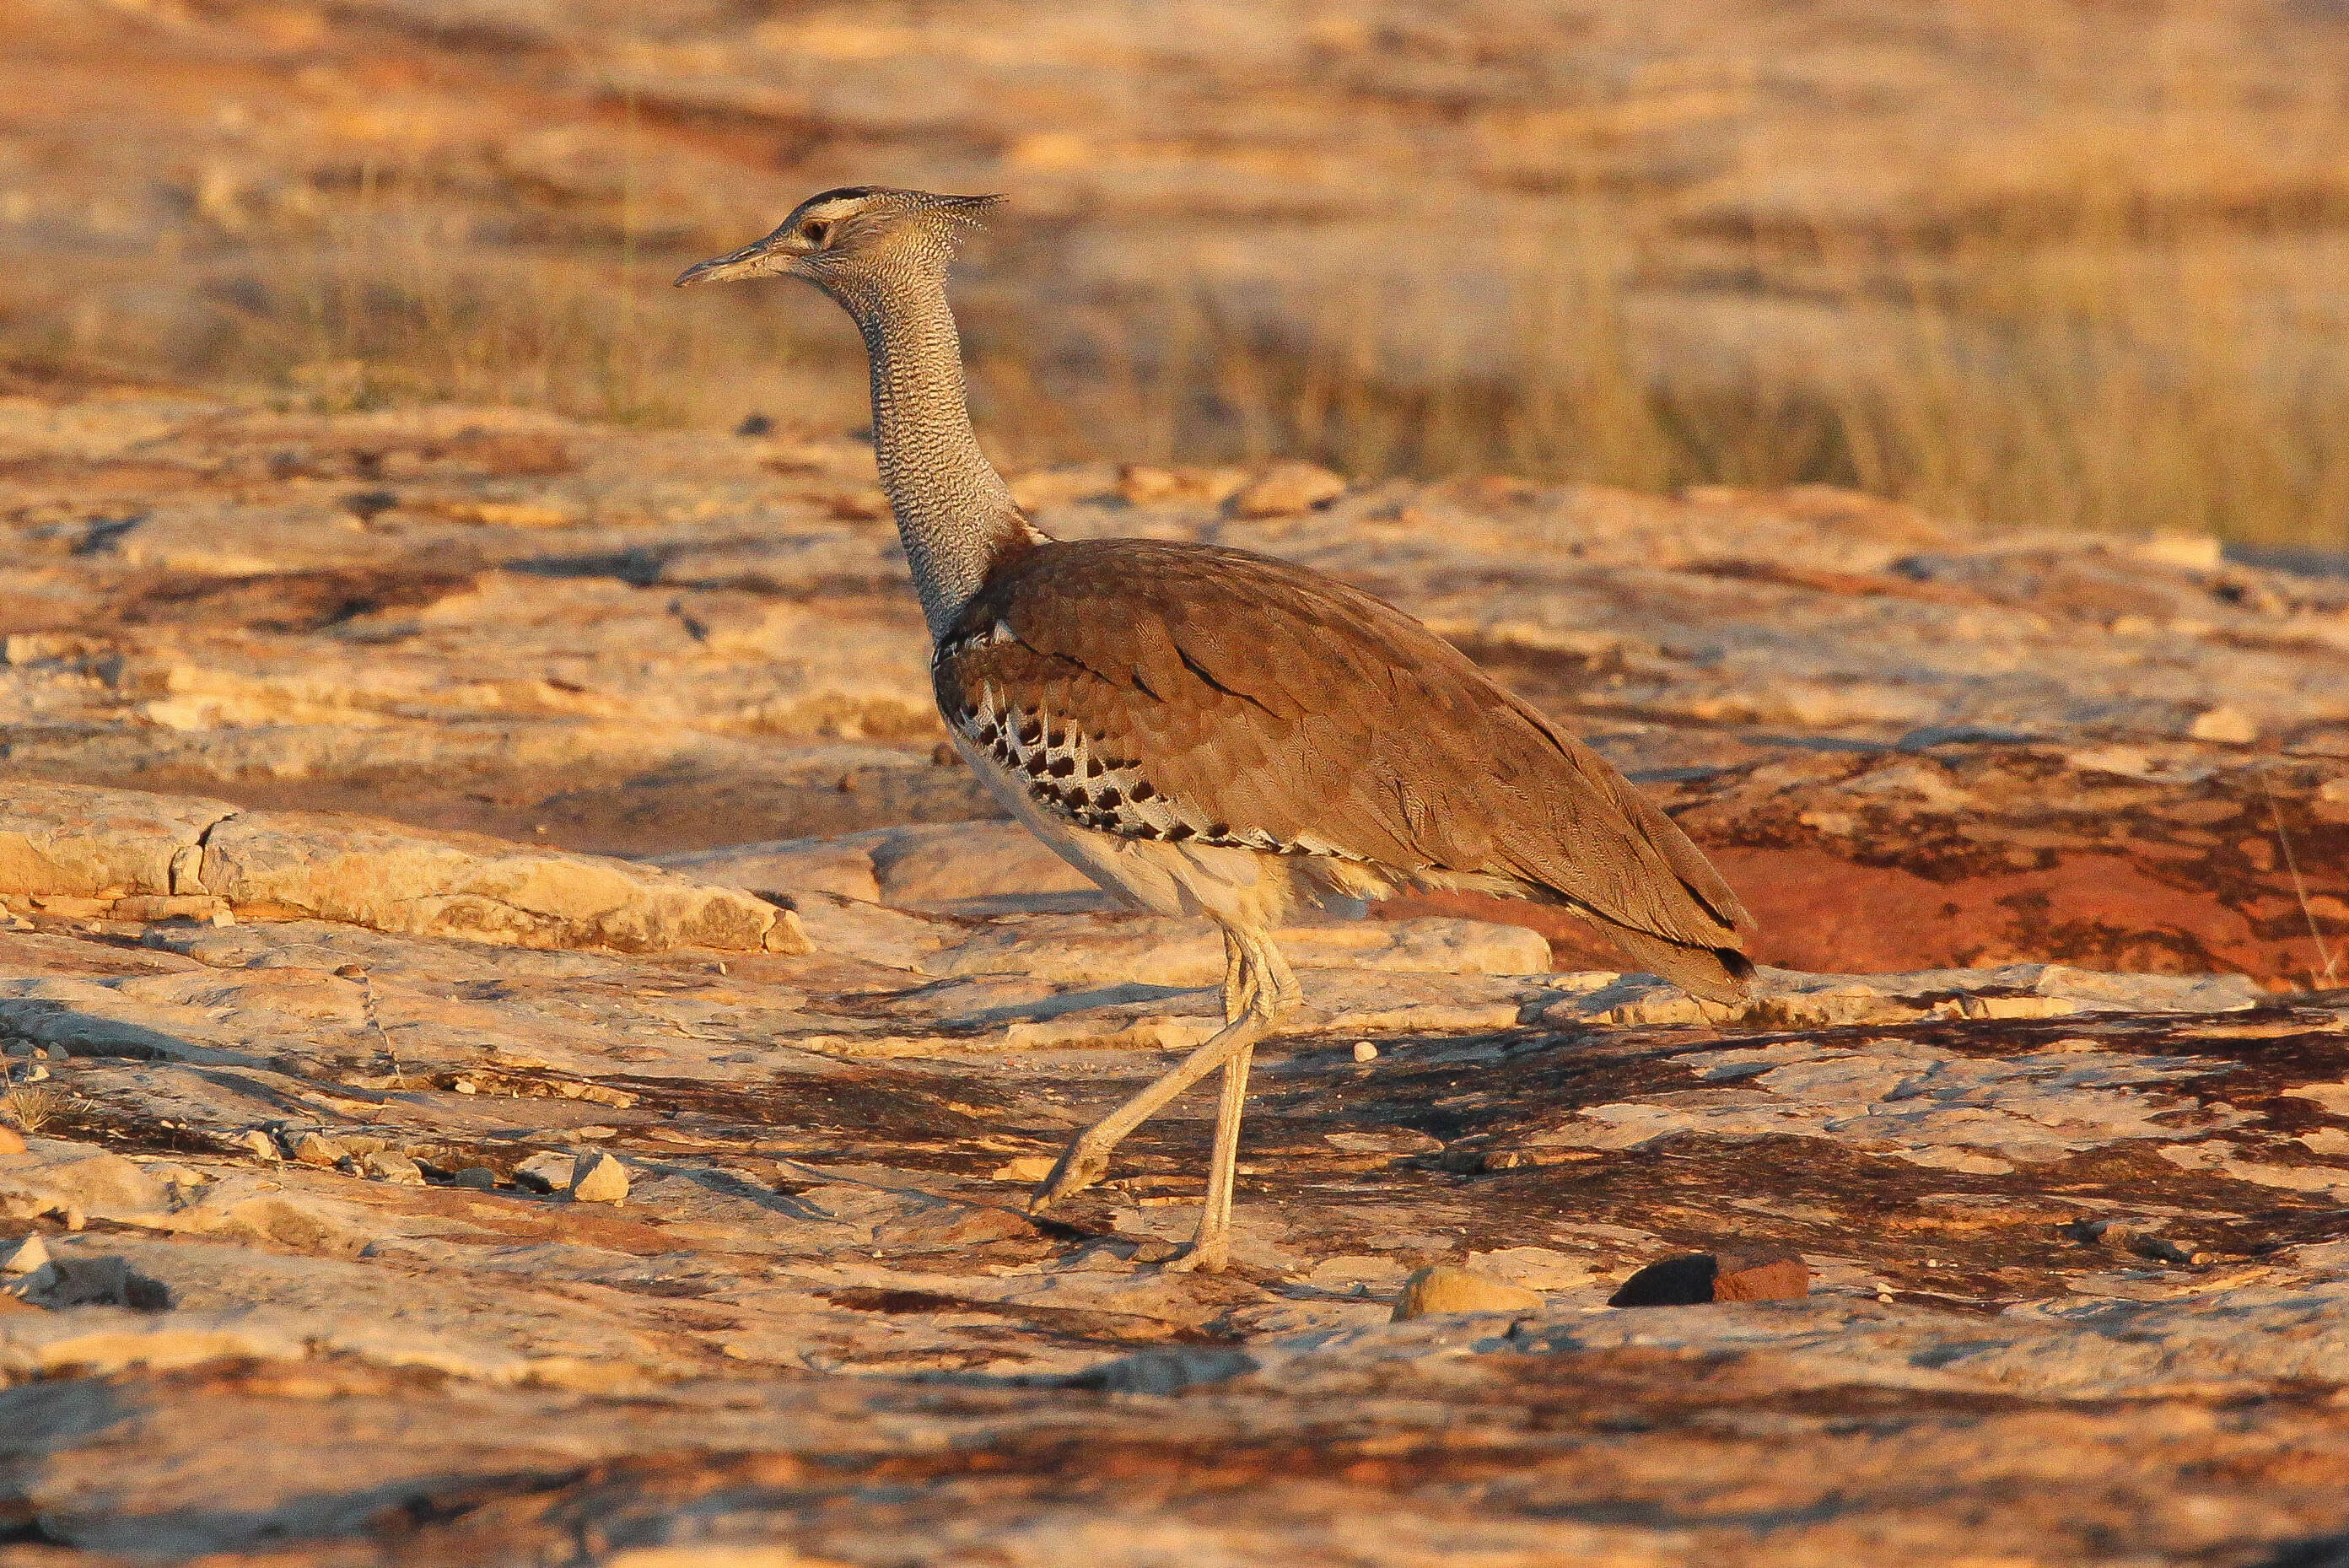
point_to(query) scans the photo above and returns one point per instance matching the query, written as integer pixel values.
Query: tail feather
(1715, 973)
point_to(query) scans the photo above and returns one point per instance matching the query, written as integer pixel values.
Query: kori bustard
(1210, 731)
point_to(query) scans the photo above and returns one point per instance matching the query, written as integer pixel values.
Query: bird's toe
(1078, 1168)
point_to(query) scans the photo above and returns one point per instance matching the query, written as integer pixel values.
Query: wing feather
(1264, 700)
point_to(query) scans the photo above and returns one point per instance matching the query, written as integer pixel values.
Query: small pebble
(261, 1145)
(2228, 726)
(1444, 1289)
(2135, 1236)
(315, 1148)
(1286, 489)
(31, 1255)
(1772, 1275)
(1750, 1274)
(387, 1166)
(479, 1177)
(599, 1177)
(1365, 1052)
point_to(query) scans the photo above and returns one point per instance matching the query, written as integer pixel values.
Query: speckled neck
(953, 513)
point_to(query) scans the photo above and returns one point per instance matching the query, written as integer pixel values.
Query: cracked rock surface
(1907, 747)
(403, 1182)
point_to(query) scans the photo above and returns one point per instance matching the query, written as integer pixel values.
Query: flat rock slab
(106, 853)
(2044, 835)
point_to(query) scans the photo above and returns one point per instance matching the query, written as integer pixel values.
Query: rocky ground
(610, 1145)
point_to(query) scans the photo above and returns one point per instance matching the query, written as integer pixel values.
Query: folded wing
(1250, 701)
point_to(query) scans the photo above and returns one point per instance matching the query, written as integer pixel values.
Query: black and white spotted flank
(1068, 775)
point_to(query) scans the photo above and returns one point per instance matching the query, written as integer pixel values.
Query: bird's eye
(814, 231)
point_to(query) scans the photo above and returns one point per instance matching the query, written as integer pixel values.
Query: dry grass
(2185, 379)
(30, 1108)
(389, 300)
(2107, 371)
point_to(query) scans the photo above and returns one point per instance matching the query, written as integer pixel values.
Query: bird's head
(846, 241)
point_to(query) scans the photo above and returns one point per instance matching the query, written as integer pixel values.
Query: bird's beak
(764, 259)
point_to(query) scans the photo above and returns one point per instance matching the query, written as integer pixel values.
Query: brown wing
(1178, 690)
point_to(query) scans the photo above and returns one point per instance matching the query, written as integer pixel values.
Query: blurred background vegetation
(2025, 261)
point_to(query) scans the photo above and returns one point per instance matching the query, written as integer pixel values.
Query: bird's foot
(1079, 1167)
(1210, 1255)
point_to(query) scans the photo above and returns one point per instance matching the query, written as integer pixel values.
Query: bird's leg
(1247, 975)
(1274, 970)
(1211, 1248)
(1086, 1159)
(1237, 991)
(1270, 987)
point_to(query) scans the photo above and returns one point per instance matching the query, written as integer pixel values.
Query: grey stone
(96, 1281)
(546, 1172)
(1166, 1371)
